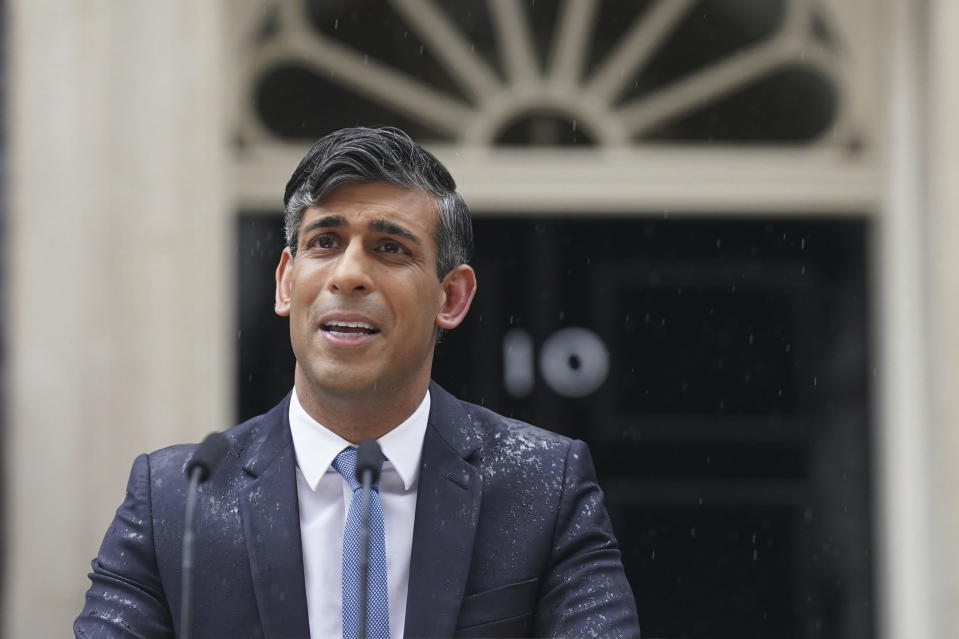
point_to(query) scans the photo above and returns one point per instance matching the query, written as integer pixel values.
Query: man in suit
(488, 527)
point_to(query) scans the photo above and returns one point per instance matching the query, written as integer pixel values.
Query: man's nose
(351, 272)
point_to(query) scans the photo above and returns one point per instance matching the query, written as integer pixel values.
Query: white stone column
(918, 275)
(902, 442)
(943, 263)
(119, 324)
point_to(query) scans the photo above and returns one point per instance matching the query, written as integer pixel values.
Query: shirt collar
(317, 446)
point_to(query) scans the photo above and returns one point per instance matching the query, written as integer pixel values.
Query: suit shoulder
(492, 425)
(511, 445)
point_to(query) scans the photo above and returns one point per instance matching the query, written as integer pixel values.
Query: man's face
(362, 294)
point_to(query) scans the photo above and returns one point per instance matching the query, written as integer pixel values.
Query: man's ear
(459, 287)
(284, 282)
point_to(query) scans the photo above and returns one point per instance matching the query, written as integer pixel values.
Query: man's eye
(323, 241)
(391, 247)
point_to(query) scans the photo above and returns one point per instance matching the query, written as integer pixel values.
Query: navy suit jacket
(510, 539)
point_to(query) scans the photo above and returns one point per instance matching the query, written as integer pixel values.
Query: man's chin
(341, 382)
(356, 380)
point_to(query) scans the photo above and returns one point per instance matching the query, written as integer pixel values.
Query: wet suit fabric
(511, 539)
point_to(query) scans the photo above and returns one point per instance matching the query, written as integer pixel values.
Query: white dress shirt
(324, 499)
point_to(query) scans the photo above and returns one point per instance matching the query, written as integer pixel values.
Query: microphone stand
(369, 459)
(364, 560)
(189, 534)
(201, 465)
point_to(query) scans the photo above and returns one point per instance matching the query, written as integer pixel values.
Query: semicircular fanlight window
(500, 72)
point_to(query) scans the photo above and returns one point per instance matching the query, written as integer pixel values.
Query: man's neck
(359, 416)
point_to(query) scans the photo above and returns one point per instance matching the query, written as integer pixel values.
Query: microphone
(369, 460)
(369, 457)
(200, 467)
(207, 455)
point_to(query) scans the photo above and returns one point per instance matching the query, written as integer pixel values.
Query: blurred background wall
(714, 240)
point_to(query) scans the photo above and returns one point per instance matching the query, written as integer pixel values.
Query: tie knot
(345, 465)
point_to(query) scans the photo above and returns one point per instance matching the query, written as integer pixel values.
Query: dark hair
(386, 154)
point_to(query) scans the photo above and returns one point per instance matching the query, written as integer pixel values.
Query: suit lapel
(447, 511)
(271, 524)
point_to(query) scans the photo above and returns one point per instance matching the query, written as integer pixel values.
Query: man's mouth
(349, 329)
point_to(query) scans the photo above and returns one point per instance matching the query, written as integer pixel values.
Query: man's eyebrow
(392, 228)
(325, 222)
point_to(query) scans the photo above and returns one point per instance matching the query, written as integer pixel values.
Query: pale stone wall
(119, 325)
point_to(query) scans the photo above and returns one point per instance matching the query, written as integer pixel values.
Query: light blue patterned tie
(378, 624)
